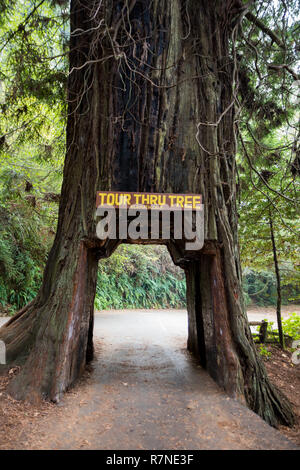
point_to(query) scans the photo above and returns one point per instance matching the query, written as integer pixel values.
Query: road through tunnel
(208, 335)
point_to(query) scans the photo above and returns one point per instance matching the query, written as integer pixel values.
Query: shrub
(140, 277)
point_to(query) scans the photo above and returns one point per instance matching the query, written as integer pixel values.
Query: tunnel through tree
(151, 107)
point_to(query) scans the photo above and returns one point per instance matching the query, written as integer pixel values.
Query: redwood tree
(151, 98)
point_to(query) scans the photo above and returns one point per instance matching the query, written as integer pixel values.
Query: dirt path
(146, 392)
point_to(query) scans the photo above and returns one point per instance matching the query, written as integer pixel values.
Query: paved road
(254, 314)
(147, 392)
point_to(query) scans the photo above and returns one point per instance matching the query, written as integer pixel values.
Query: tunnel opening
(140, 277)
(142, 293)
(208, 324)
(148, 278)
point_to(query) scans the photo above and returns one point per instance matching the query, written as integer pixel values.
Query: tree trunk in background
(278, 283)
(151, 92)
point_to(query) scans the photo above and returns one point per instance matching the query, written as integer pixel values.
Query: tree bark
(151, 108)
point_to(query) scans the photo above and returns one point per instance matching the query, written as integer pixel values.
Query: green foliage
(291, 326)
(264, 352)
(20, 250)
(260, 288)
(33, 75)
(268, 181)
(24, 241)
(139, 277)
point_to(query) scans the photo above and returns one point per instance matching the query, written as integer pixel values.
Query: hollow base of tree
(53, 341)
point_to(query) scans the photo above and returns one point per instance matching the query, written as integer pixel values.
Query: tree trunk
(278, 283)
(151, 93)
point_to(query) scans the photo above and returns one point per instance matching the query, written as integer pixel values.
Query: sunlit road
(147, 392)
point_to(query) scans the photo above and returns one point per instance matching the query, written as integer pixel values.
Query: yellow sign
(149, 200)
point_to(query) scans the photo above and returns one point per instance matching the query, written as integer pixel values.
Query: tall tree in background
(152, 106)
(269, 164)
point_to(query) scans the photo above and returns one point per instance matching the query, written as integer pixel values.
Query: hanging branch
(278, 67)
(265, 29)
